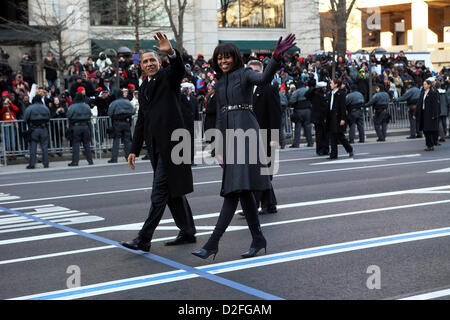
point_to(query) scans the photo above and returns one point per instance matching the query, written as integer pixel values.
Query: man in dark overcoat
(159, 116)
(336, 117)
(267, 107)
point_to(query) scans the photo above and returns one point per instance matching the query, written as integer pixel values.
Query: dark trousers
(431, 138)
(304, 116)
(442, 126)
(178, 206)
(413, 131)
(81, 134)
(229, 206)
(39, 135)
(356, 120)
(121, 131)
(380, 123)
(322, 140)
(338, 137)
(266, 199)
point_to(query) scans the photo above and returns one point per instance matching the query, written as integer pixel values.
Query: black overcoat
(236, 88)
(210, 114)
(159, 116)
(337, 113)
(424, 117)
(267, 107)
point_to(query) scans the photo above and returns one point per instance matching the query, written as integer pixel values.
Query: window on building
(251, 13)
(146, 13)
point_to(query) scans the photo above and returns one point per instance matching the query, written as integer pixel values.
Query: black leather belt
(237, 107)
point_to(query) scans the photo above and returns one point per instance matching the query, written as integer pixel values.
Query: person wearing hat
(37, 117)
(319, 107)
(411, 97)
(301, 116)
(354, 102)
(79, 115)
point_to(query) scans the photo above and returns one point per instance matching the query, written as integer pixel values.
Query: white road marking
(447, 170)
(119, 175)
(137, 226)
(220, 181)
(229, 266)
(429, 295)
(358, 160)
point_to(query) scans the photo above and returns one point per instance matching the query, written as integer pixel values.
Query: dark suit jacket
(337, 113)
(267, 107)
(159, 116)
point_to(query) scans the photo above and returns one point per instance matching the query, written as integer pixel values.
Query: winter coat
(236, 88)
(428, 117)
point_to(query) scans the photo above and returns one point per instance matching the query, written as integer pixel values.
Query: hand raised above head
(163, 43)
(284, 45)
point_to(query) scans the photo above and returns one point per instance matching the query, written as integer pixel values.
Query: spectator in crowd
(427, 114)
(444, 108)
(51, 70)
(28, 66)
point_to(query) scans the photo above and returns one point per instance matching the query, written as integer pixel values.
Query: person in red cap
(81, 90)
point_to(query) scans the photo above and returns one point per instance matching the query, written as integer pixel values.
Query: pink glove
(283, 46)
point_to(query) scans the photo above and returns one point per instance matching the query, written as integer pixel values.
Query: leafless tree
(177, 10)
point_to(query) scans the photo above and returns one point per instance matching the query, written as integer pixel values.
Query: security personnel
(354, 102)
(267, 108)
(302, 116)
(79, 115)
(37, 117)
(120, 111)
(380, 102)
(320, 104)
(411, 97)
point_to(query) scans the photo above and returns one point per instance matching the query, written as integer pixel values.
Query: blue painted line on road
(174, 264)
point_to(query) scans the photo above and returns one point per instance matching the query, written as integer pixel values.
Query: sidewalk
(58, 163)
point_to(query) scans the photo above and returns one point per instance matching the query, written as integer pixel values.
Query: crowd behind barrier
(97, 78)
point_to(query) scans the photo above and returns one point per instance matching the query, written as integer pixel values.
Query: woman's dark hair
(227, 49)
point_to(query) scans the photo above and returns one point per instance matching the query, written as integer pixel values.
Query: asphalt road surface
(373, 227)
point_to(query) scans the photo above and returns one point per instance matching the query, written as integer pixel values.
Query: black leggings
(227, 212)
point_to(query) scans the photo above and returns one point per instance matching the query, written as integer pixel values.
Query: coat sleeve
(138, 135)
(176, 69)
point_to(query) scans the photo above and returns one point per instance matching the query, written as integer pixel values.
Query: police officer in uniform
(411, 97)
(380, 101)
(79, 115)
(302, 114)
(355, 103)
(37, 116)
(120, 111)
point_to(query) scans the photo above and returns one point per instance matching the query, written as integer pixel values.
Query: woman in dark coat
(427, 115)
(336, 117)
(234, 91)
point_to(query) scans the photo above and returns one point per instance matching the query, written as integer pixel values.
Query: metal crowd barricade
(398, 112)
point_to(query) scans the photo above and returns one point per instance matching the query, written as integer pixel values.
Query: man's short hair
(256, 63)
(150, 51)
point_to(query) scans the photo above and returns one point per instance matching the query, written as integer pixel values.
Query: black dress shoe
(205, 253)
(90, 163)
(112, 161)
(181, 239)
(332, 158)
(137, 244)
(429, 149)
(292, 146)
(30, 167)
(411, 137)
(351, 154)
(73, 164)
